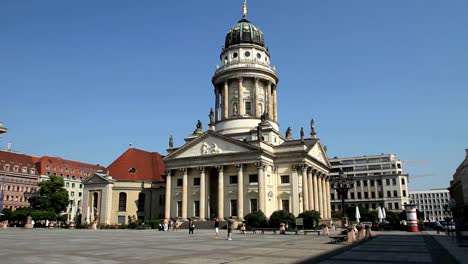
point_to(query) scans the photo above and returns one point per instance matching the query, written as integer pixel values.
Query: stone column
(311, 190)
(325, 198)
(226, 100)
(184, 193)
(220, 192)
(217, 104)
(320, 196)
(316, 191)
(275, 106)
(240, 192)
(241, 97)
(261, 186)
(202, 193)
(295, 191)
(255, 97)
(305, 189)
(270, 103)
(329, 197)
(167, 210)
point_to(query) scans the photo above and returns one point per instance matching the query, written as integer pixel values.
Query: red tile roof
(69, 164)
(13, 158)
(139, 165)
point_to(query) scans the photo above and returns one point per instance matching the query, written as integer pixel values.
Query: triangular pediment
(211, 143)
(98, 178)
(318, 153)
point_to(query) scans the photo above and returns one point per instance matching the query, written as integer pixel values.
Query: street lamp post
(342, 183)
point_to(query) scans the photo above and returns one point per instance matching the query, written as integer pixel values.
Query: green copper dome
(244, 32)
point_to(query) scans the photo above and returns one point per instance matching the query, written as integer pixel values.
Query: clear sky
(83, 79)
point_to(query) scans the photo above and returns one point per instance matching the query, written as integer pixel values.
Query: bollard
(326, 231)
(361, 232)
(368, 232)
(411, 217)
(351, 236)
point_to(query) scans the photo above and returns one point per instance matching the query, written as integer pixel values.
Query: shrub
(154, 224)
(256, 219)
(311, 219)
(281, 216)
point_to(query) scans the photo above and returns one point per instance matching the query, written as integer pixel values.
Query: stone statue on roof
(171, 142)
(302, 134)
(212, 117)
(289, 133)
(199, 128)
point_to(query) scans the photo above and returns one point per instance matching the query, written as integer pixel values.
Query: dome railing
(247, 63)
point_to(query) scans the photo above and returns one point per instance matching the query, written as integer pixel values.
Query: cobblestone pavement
(149, 246)
(394, 247)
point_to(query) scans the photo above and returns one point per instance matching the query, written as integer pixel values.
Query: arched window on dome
(248, 107)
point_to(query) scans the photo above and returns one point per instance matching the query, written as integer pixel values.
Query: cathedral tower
(245, 84)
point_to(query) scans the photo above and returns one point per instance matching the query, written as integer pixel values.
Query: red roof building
(138, 165)
(18, 175)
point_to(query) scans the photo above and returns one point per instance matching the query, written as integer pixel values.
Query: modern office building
(433, 203)
(378, 181)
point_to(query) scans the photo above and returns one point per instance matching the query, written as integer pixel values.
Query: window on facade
(179, 182)
(394, 181)
(253, 178)
(122, 201)
(72, 194)
(404, 193)
(248, 108)
(365, 182)
(402, 181)
(332, 196)
(380, 194)
(284, 179)
(67, 184)
(196, 181)
(387, 182)
(141, 202)
(285, 205)
(233, 179)
(196, 208)
(366, 195)
(132, 170)
(234, 207)
(333, 207)
(253, 205)
(395, 194)
(352, 195)
(162, 200)
(358, 183)
(397, 206)
(373, 194)
(359, 195)
(373, 206)
(179, 208)
(371, 182)
(73, 185)
(389, 194)
(379, 182)
(121, 219)
(79, 194)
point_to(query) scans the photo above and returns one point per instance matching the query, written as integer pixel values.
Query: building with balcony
(378, 181)
(433, 203)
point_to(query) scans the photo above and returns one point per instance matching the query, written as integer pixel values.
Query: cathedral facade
(242, 163)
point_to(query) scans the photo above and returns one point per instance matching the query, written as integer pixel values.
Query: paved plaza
(150, 246)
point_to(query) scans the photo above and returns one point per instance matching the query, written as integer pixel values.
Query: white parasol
(379, 213)
(358, 215)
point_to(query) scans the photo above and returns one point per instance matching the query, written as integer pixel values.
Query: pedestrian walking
(191, 226)
(216, 225)
(230, 227)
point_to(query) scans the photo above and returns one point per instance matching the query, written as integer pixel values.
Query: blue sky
(83, 79)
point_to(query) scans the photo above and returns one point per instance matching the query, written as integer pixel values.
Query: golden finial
(244, 8)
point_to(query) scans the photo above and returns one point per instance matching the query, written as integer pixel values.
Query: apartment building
(378, 180)
(433, 203)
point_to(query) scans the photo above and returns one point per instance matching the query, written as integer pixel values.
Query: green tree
(310, 218)
(256, 219)
(281, 216)
(336, 215)
(6, 214)
(52, 196)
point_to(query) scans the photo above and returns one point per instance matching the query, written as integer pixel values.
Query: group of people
(230, 227)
